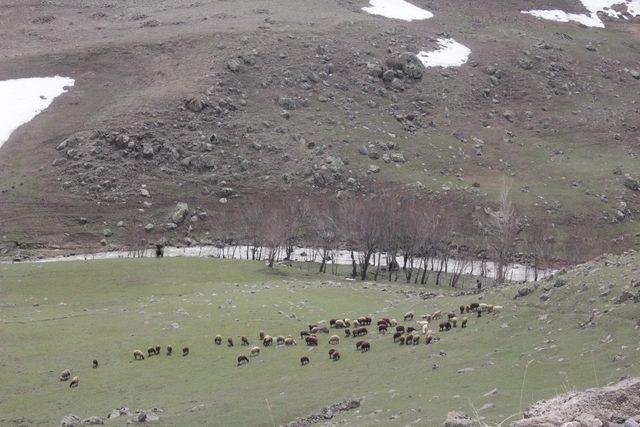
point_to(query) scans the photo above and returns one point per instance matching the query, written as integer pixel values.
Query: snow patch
(23, 99)
(449, 53)
(594, 7)
(397, 9)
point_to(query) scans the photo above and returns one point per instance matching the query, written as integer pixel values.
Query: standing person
(479, 285)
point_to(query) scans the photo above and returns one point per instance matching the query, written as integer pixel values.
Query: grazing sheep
(396, 335)
(280, 340)
(289, 341)
(382, 322)
(332, 322)
(334, 340)
(347, 322)
(151, 351)
(323, 329)
(255, 351)
(340, 324)
(436, 315)
(473, 306)
(393, 322)
(158, 349)
(311, 340)
(66, 374)
(410, 329)
(422, 322)
(261, 335)
(409, 340)
(360, 331)
(229, 342)
(74, 382)
(359, 344)
(304, 334)
(95, 363)
(497, 309)
(244, 340)
(387, 321)
(416, 339)
(137, 354)
(462, 308)
(408, 316)
(450, 315)
(479, 312)
(401, 340)
(426, 317)
(331, 351)
(365, 346)
(347, 332)
(382, 329)
(304, 360)
(315, 330)
(428, 339)
(335, 356)
(490, 308)
(365, 320)
(312, 326)
(425, 328)
(242, 360)
(400, 328)
(185, 351)
(267, 341)
(454, 322)
(218, 340)
(465, 319)
(483, 306)
(169, 350)
(445, 325)
(356, 323)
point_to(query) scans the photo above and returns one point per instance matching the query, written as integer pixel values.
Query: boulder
(178, 216)
(523, 292)
(458, 419)
(93, 421)
(194, 105)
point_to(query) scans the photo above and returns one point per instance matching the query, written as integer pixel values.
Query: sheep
(454, 322)
(315, 330)
(422, 322)
(229, 342)
(426, 317)
(158, 348)
(332, 322)
(409, 340)
(218, 340)
(382, 322)
(416, 339)
(95, 363)
(335, 356)
(137, 354)
(304, 360)
(401, 340)
(66, 374)
(408, 316)
(462, 308)
(245, 340)
(74, 382)
(396, 335)
(479, 312)
(340, 324)
(382, 329)
(280, 340)
(356, 323)
(365, 346)
(464, 322)
(436, 315)
(428, 339)
(451, 315)
(255, 351)
(311, 341)
(331, 351)
(425, 328)
(347, 322)
(185, 351)
(323, 329)
(483, 307)
(360, 331)
(289, 341)
(400, 328)
(267, 341)
(445, 325)
(490, 308)
(242, 360)
(261, 335)
(365, 320)
(304, 334)
(473, 306)
(334, 340)
(387, 321)
(312, 326)
(410, 329)
(151, 351)
(169, 350)
(359, 344)
(497, 309)
(393, 322)
(347, 332)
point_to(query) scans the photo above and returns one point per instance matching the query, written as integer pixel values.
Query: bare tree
(502, 227)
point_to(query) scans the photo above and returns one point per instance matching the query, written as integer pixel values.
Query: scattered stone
(326, 413)
(71, 421)
(458, 419)
(181, 212)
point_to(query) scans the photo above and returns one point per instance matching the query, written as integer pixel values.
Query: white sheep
(334, 340)
(425, 329)
(255, 351)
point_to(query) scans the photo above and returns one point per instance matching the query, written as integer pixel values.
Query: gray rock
(465, 370)
(373, 169)
(458, 419)
(181, 212)
(147, 151)
(523, 292)
(397, 157)
(287, 103)
(363, 150)
(92, 421)
(233, 65)
(71, 421)
(194, 105)
(144, 192)
(107, 232)
(149, 227)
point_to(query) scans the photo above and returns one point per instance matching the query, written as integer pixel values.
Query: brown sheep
(137, 354)
(245, 340)
(387, 321)
(74, 382)
(304, 360)
(267, 341)
(304, 334)
(396, 335)
(340, 324)
(242, 360)
(410, 329)
(400, 328)
(280, 340)
(66, 374)
(359, 332)
(261, 335)
(255, 351)
(428, 339)
(311, 327)
(451, 315)
(335, 356)
(365, 346)
(445, 325)
(169, 350)
(289, 341)
(462, 308)
(479, 312)
(464, 322)
(359, 344)
(334, 340)
(158, 348)
(218, 340)
(426, 317)
(315, 330)
(331, 351)
(347, 332)
(311, 340)
(382, 329)
(473, 306)
(95, 363)
(401, 340)
(436, 315)
(229, 342)
(151, 351)
(185, 351)
(416, 339)
(332, 322)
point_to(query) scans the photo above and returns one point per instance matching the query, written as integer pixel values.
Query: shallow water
(23, 99)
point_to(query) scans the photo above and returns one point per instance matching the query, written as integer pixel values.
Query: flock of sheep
(405, 335)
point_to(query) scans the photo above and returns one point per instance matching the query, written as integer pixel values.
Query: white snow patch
(397, 9)
(450, 53)
(594, 7)
(23, 99)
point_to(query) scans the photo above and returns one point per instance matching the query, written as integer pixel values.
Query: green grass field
(62, 316)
